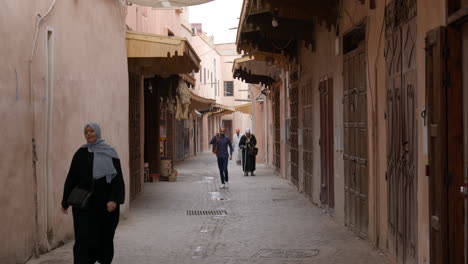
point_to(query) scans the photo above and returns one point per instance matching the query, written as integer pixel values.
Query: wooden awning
(249, 77)
(220, 109)
(150, 54)
(262, 64)
(277, 26)
(201, 104)
(244, 108)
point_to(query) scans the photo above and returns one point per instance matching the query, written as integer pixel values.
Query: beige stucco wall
(161, 22)
(210, 64)
(90, 78)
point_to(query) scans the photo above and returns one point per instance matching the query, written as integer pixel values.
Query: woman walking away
(95, 189)
(247, 144)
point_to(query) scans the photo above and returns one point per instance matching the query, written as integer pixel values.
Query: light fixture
(150, 88)
(274, 22)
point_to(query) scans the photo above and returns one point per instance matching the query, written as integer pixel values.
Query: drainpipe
(33, 129)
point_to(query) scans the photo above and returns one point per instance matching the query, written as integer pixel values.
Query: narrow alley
(265, 221)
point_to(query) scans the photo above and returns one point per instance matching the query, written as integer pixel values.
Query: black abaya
(94, 227)
(248, 161)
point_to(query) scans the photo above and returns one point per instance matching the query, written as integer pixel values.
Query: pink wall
(83, 42)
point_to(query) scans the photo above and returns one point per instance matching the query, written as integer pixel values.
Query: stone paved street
(267, 222)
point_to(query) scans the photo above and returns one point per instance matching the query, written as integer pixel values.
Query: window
(204, 72)
(201, 75)
(229, 88)
(211, 80)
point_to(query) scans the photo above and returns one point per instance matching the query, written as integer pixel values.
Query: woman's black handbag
(79, 198)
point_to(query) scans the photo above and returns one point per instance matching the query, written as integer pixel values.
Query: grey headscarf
(103, 154)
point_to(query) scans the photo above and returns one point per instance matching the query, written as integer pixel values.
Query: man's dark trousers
(223, 170)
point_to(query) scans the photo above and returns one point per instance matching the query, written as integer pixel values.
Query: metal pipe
(33, 128)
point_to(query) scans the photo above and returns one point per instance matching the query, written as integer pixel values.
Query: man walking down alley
(221, 145)
(235, 144)
(249, 151)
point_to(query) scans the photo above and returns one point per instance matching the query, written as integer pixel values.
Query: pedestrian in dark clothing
(221, 144)
(247, 144)
(95, 167)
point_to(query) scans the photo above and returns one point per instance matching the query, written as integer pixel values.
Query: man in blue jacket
(221, 145)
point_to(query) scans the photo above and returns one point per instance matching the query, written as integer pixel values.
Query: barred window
(229, 88)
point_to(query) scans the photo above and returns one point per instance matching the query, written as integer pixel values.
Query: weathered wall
(161, 22)
(324, 61)
(210, 65)
(81, 91)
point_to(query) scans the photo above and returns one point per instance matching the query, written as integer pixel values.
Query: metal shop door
(180, 139)
(355, 139)
(294, 124)
(327, 193)
(401, 176)
(307, 123)
(277, 129)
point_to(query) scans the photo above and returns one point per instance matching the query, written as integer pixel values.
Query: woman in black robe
(96, 167)
(247, 143)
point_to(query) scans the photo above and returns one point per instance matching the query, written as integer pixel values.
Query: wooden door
(277, 129)
(227, 124)
(401, 75)
(307, 123)
(444, 106)
(294, 124)
(356, 141)
(327, 195)
(134, 134)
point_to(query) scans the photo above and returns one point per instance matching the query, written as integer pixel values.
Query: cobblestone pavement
(267, 222)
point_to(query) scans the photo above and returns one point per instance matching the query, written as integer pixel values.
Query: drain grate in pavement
(207, 212)
(286, 253)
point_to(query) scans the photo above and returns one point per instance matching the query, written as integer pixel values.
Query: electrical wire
(285, 46)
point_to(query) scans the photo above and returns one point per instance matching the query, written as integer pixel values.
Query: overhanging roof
(248, 77)
(201, 104)
(221, 109)
(244, 108)
(295, 22)
(261, 64)
(151, 54)
(168, 4)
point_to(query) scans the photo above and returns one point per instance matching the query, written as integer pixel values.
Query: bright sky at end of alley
(217, 18)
